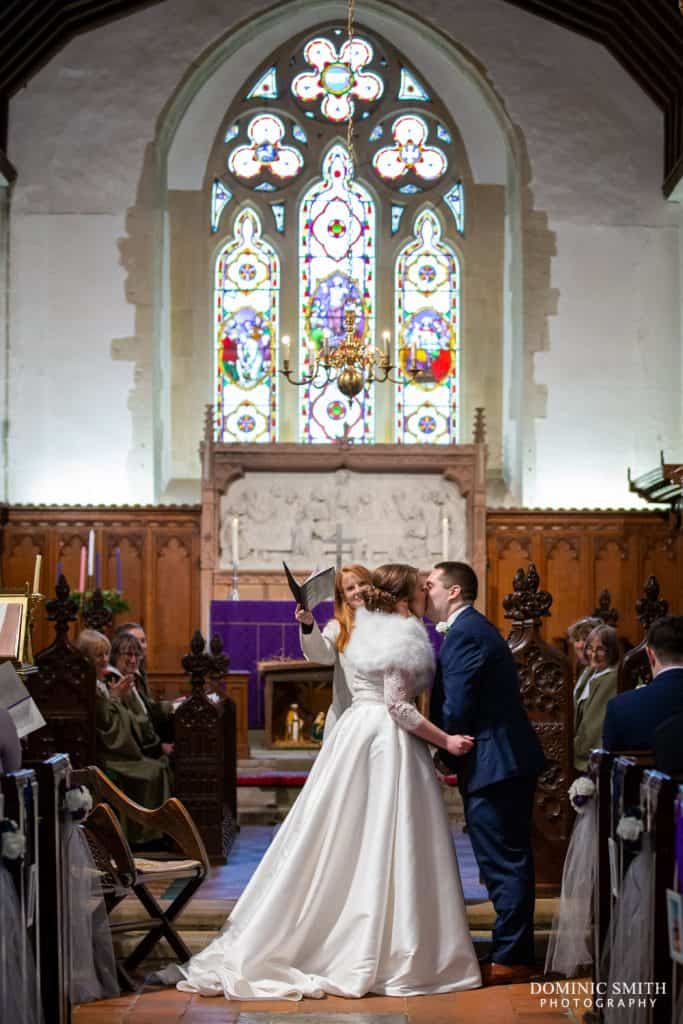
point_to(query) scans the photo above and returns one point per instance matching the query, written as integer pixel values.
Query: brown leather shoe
(507, 974)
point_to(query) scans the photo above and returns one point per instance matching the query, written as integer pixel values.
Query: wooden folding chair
(124, 874)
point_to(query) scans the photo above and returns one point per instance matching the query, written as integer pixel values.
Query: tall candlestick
(36, 574)
(119, 583)
(235, 540)
(444, 538)
(81, 575)
(91, 553)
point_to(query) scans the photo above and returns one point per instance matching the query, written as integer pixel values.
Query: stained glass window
(282, 176)
(336, 268)
(266, 87)
(426, 303)
(247, 289)
(410, 152)
(220, 197)
(265, 151)
(338, 77)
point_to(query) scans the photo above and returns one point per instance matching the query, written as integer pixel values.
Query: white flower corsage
(442, 627)
(629, 828)
(78, 802)
(580, 792)
(12, 841)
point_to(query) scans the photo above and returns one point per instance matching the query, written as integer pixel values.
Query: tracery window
(381, 236)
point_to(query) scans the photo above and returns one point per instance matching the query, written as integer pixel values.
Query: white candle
(36, 574)
(386, 342)
(91, 553)
(444, 538)
(285, 348)
(235, 539)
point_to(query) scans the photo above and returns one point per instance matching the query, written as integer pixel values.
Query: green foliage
(112, 600)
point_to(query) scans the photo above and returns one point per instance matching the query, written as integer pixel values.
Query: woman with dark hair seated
(602, 653)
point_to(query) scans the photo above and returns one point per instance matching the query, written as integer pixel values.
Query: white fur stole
(381, 641)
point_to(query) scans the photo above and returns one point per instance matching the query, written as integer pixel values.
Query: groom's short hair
(460, 574)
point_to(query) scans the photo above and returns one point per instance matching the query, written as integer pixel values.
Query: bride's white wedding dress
(359, 891)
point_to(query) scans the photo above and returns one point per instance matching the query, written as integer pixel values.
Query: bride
(359, 892)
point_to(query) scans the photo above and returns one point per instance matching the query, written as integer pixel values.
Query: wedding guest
(633, 717)
(602, 652)
(10, 747)
(577, 634)
(328, 647)
(160, 711)
(128, 749)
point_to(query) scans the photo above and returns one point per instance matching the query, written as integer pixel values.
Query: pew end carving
(64, 688)
(634, 669)
(545, 682)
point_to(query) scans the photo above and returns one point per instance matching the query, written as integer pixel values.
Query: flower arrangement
(580, 792)
(630, 826)
(78, 802)
(112, 599)
(12, 841)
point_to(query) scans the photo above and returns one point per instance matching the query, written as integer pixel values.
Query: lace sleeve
(398, 697)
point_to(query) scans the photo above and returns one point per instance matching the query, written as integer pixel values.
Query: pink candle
(81, 578)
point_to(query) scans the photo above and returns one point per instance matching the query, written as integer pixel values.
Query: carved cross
(341, 545)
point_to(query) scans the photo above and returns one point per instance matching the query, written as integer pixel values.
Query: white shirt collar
(443, 627)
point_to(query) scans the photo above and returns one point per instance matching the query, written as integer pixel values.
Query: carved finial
(604, 611)
(95, 614)
(197, 663)
(650, 607)
(220, 661)
(62, 610)
(479, 425)
(527, 603)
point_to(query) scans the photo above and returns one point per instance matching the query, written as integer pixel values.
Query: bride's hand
(306, 618)
(459, 745)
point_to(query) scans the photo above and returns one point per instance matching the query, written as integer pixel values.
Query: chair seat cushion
(167, 867)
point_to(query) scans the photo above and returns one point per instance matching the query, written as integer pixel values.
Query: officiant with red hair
(327, 646)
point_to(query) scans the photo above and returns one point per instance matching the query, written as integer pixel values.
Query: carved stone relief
(384, 517)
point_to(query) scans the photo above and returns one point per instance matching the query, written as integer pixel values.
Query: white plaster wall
(70, 437)
(82, 135)
(613, 368)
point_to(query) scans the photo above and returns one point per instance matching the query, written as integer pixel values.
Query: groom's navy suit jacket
(476, 692)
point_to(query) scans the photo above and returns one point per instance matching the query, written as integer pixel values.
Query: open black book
(317, 588)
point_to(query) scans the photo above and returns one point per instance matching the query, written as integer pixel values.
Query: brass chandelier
(354, 362)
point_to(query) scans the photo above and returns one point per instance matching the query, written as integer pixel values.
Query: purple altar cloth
(254, 631)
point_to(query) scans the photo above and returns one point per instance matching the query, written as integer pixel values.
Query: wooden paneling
(577, 555)
(159, 569)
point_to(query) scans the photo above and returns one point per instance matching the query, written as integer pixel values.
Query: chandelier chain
(349, 128)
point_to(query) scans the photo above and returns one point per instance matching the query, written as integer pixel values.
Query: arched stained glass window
(281, 169)
(247, 288)
(336, 267)
(427, 299)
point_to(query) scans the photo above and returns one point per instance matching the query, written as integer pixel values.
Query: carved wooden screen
(546, 688)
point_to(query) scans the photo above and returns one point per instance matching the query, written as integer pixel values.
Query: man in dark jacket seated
(632, 717)
(668, 747)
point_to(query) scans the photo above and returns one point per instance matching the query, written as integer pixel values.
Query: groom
(476, 692)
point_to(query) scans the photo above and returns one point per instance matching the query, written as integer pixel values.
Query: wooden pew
(657, 803)
(53, 780)
(20, 799)
(206, 752)
(546, 689)
(64, 688)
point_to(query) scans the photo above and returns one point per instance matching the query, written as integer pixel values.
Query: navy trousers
(499, 826)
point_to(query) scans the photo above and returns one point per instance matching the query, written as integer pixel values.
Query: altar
(263, 504)
(257, 631)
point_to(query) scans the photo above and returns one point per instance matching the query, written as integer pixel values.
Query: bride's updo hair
(389, 585)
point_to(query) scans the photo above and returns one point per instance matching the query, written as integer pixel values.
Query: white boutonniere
(78, 802)
(629, 828)
(442, 627)
(580, 792)
(12, 841)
